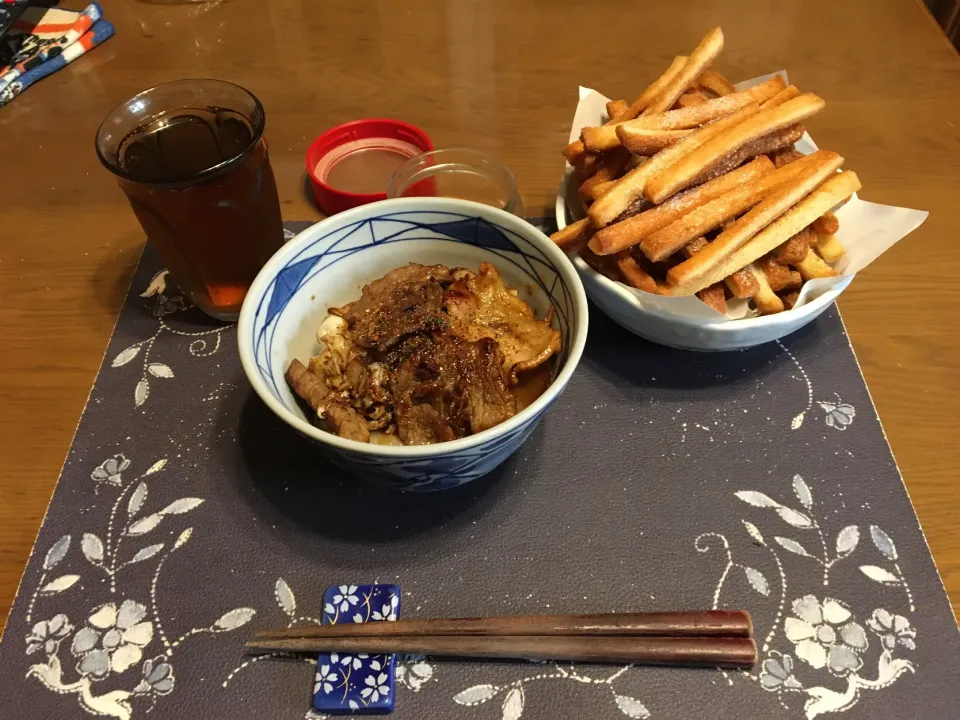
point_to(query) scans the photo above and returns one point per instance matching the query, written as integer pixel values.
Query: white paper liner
(866, 229)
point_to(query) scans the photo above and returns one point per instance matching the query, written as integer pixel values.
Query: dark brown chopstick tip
(257, 647)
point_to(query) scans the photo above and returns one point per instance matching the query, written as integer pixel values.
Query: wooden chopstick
(686, 651)
(707, 623)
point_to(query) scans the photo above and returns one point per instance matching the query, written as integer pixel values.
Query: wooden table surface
(500, 75)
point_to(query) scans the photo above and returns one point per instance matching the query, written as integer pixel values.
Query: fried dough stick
(833, 191)
(666, 241)
(821, 165)
(700, 59)
(575, 150)
(682, 173)
(631, 231)
(631, 186)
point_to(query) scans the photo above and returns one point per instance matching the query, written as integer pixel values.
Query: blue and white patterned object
(346, 684)
(327, 265)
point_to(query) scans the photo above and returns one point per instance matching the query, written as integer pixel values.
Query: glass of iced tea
(191, 158)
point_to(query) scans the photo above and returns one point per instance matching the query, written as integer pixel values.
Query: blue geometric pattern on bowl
(323, 253)
(356, 684)
(327, 250)
(441, 472)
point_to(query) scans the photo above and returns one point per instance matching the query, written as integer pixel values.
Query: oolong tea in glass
(191, 158)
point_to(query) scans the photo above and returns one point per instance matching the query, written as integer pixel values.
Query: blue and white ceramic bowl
(328, 264)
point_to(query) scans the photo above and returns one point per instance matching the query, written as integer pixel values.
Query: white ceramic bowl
(665, 328)
(327, 265)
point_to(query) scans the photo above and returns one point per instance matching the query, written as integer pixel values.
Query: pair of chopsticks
(710, 638)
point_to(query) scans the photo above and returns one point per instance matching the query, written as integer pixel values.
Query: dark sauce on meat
(430, 355)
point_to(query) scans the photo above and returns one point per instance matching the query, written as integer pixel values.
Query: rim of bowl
(720, 326)
(723, 326)
(558, 258)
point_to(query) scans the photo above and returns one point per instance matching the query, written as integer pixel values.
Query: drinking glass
(191, 158)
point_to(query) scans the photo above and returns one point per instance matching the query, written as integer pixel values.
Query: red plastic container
(345, 141)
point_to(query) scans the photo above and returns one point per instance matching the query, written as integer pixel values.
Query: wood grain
(501, 76)
(702, 623)
(687, 651)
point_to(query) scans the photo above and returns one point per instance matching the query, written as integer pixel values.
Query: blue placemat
(187, 517)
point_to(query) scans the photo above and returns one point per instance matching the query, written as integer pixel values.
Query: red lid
(349, 163)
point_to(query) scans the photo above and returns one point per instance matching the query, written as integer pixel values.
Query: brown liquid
(365, 171)
(213, 231)
(532, 384)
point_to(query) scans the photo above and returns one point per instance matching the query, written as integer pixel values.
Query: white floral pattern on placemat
(125, 628)
(164, 305)
(413, 672)
(823, 651)
(512, 696)
(839, 414)
(821, 632)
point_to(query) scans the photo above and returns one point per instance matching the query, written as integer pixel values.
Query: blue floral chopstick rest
(347, 684)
